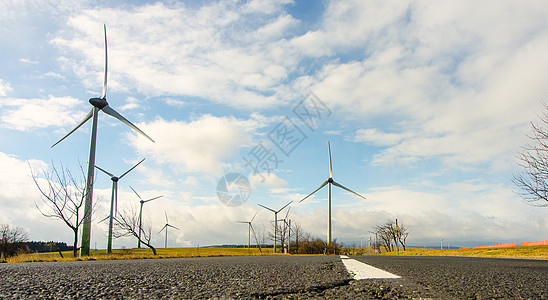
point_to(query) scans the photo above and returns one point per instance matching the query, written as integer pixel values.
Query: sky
(425, 105)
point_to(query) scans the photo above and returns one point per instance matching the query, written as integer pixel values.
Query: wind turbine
(275, 220)
(165, 227)
(114, 201)
(141, 213)
(98, 104)
(250, 227)
(330, 182)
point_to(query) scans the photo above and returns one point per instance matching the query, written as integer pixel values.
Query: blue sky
(426, 106)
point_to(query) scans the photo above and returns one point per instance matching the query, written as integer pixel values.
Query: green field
(535, 252)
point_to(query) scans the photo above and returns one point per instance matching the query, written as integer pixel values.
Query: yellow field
(537, 252)
(144, 253)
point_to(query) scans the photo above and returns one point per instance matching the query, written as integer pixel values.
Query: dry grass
(536, 252)
(143, 253)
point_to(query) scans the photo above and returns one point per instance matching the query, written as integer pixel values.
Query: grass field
(136, 253)
(535, 252)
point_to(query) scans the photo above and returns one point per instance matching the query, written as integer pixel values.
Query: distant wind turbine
(275, 220)
(249, 229)
(165, 227)
(114, 201)
(330, 182)
(98, 104)
(141, 214)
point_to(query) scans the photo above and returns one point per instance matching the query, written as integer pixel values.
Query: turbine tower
(165, 227)
(98, 104)
(330, 182)
(114, 201)
(275, 220)
(141, 213)
(250, 227)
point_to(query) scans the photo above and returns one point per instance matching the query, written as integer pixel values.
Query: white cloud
(377, 137)
(200, 145)
(4, 88)
(28, 114)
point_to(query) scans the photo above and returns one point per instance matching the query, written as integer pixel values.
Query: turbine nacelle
(100, 103)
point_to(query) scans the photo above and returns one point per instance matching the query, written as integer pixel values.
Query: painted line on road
(360, 270)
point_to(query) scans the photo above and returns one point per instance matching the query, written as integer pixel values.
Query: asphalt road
(468, 277)
(274, 277)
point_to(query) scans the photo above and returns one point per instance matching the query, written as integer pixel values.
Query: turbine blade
(153, 198)
(330, 165)
(102, 220)
(162, 228)
(287, 213)
(285, 206)
(173, 227)
(267, 208)
(84, 120)
(111, 112)
(242, 222)
(165, 213)
(253, 217)
(135, 193)
(104, 95)
(321, 186)
(347, 189)
(131, 168)
(109, 174)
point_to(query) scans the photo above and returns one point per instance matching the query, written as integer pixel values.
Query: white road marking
(364, 271)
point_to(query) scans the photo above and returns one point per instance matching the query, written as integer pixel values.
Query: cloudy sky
(425, 104)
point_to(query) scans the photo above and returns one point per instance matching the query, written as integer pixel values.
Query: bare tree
(126, 223)
(12, 241)
(533, 180)
(392, 236)
(63, 197)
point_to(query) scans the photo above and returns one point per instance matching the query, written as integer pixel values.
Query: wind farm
(98, 104)
(432, 114)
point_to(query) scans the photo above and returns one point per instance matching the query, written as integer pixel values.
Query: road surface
(275, 277)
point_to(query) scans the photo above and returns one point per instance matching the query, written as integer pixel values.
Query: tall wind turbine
(250, 227)
(165, 227)
(98, 104)
(330, 182)
(275, 220)
(114, 201)
(141, 213)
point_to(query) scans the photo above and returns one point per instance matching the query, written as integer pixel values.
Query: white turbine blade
(84, 120)
(266, 208)
(284, 206)
(242, 222)
(321, 186)
(131, 168)
(102, 220)
(330, 165)
(153, 198)
(111, 112)
(172, 226)
(287, 213)
(106, 65)
(109, 174)
(253, 217)
(135, 193)
(165, 213)
(347, 189)
(165, 226)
